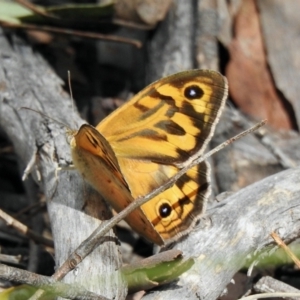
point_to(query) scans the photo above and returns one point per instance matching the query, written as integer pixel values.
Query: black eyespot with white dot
(165, 210)
(193, 92)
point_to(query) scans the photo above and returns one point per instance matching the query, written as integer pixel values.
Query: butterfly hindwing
(175, 210)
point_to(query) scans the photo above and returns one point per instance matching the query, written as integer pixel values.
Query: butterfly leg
(64, 168)
(30, 166)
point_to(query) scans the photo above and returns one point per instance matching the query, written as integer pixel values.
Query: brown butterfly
(145, 142)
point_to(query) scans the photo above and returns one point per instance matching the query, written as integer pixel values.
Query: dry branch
(55, 288)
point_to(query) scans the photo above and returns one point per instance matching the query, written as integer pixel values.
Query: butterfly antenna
(70, 89)
(71, 92)
(44, 115)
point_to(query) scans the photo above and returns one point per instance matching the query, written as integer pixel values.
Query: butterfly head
(70, 134)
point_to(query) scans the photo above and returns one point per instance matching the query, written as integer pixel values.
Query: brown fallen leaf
(251, 85)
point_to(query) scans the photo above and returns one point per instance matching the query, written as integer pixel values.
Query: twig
(20, 227)
(90, 35)
(46, 283)
(267, 141)
(285, 161)
(131, 24)
(10, 259)
(7, 149)
(34, 8)
(288, 251)
(270, 295)
(268, 284)
(30, 166)
(32, 209)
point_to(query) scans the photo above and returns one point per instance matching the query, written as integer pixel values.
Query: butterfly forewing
(96, 161)
(170, 120)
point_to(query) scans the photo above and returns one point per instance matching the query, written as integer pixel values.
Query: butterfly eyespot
(165, 210)
(193, 92)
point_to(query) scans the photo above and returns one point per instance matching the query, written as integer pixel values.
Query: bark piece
(171, 46)
(207, 32)
(268, 284)
(243, 162)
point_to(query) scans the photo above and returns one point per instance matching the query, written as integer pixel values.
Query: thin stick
(23, 229)
(88, 245)
(271, 295)
(36, 9)
(90, 35)
(56, 288)
(288, 251)
(70, 90)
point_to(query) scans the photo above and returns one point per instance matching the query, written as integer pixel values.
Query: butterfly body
(145, 142)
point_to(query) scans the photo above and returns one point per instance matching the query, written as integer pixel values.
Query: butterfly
(148, 140)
